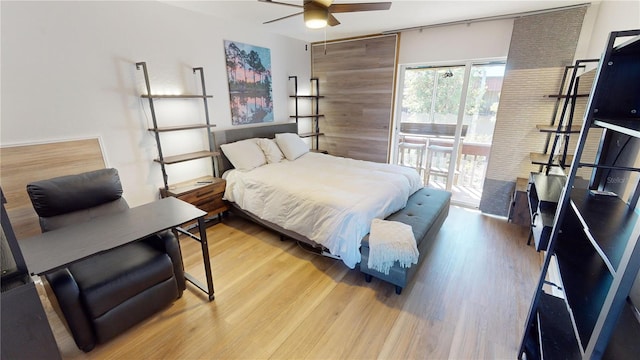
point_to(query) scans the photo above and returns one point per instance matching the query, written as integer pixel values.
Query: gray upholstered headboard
(228, 136)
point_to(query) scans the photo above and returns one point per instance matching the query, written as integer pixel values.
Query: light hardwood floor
(469, 300)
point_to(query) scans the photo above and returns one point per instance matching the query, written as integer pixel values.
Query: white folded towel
(391, 241)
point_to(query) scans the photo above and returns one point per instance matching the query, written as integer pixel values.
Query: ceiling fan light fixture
(316, 18)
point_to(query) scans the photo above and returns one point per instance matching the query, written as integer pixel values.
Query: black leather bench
(426, 211)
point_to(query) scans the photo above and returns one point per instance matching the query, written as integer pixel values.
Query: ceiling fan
(319, 13)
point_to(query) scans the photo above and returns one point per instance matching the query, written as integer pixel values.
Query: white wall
(453, 43)
(492, 38)
(601, 19)
(68, 71)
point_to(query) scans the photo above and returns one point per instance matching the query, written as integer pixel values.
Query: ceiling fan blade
(282, 18)
(341, 8)
(332, 21)
(280, 3)
(325, 3)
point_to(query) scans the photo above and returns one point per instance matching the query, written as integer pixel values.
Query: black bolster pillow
(65, 194)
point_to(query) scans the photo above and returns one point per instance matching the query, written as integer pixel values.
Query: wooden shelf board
(176, 96)
(306, 116)
(306, 96)
(522, 184)
(537, 158)
(563, 96)
(310, 134)
(591, 71)
(575, 129)
(186, 157)
(181, 127)
(543, 159)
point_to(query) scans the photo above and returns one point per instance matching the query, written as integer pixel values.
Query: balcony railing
(430, 156)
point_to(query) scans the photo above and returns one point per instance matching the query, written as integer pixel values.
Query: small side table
(56, 249)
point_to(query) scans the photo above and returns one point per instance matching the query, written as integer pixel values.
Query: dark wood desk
(57, 249)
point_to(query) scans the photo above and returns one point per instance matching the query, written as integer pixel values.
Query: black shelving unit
(594, 243)
(561, 126)
(543, 195)
(157, 130)
(314, 115)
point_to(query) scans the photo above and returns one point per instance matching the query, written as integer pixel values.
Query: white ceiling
(403, 14)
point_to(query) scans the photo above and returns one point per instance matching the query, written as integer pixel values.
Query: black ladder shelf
(163, 160)
(168, 160)
(314, 115)
(561, 127)
(587, 301)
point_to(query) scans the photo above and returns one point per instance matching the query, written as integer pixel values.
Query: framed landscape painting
(249, 76)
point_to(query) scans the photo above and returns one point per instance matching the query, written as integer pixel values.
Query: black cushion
(110, 278)
(134, 310)
(70, 193)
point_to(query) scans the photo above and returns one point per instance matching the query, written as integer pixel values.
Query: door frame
(397, 115)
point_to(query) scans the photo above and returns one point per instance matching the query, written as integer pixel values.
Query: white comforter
(330, 200)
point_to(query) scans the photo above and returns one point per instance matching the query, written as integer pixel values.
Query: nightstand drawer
(212, 205)
(208, 198)
(204, 193)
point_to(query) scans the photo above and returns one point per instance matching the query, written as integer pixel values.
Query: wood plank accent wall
(357, 79)
(26, 163)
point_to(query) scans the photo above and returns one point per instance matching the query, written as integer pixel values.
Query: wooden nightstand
(205, 193)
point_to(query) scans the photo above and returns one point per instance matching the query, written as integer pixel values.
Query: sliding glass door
(444, 124)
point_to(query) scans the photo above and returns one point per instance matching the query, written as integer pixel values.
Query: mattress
(330, 200)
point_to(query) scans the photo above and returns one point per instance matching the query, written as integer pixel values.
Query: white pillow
(292, 145)
(244, 154)
(271, 150)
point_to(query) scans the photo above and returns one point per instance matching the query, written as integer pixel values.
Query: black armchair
(105, 294)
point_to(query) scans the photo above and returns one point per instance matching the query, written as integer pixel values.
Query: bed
(323, 200)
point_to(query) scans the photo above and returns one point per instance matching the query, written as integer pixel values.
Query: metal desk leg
(205, 257)
(204, 245)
